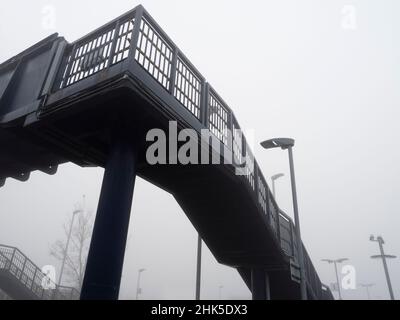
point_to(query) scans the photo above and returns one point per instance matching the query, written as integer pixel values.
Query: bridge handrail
(136, 38)
(31, 276)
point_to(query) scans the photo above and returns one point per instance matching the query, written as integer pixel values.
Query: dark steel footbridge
(92, 102)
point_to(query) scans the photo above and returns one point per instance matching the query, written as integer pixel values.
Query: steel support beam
(107, 249)
(260, 284)
(198, 271)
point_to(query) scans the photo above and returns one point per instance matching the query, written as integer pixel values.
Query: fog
(326, 73)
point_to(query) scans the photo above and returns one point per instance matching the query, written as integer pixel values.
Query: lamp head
(327, 260)
(283, 143)
(277, 176)
(342, 260)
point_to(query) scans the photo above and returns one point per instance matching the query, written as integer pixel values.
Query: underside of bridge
(94, 108)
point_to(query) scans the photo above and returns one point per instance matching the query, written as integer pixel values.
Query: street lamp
(367, 286)
(335, 262)
(274, 178)
(288, 144)
(67, 245)
(138, 290)
(383, 256)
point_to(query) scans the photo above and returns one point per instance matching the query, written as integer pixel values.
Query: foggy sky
(286, 68)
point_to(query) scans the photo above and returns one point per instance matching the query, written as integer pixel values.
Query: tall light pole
(273, 179)
(335, 262)
(67, 245)
(288, 144)
(138, 290)
(384, 256)
(367, 286)
(198, 273)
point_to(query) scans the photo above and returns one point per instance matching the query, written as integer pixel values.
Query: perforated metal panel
(98, 52)
(286, 235)
(187, 89)
(249, 170)
(274, 214)
(88, 58)
(154, 54)
(262, 194)
(124, 41)
(218, 118)
(237, 144)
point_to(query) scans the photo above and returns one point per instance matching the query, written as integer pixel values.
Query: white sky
(286, 68)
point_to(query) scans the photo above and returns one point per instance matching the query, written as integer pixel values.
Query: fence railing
(31, 277)
(135, 38)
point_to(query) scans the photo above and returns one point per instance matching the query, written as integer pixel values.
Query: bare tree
(76, 257)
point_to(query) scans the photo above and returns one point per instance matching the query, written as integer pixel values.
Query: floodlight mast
(384, 256)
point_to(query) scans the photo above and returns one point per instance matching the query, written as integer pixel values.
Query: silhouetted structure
(92, 102)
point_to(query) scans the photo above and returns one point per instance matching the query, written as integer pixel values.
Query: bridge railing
(136, 38)
(287, 235)
(312, 276)
(29, 275)
(101, 49)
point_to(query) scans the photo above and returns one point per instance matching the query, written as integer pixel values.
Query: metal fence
(26, 273)
(135, 38)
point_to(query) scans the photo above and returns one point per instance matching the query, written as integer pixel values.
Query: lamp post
(336, 262)
(67, 245)
(273, 179)
(138, 290)
(367, 286)
(198, 272)
(384, 256)
(288, 144)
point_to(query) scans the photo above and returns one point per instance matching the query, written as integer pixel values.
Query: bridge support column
(260, 284)
(106, 255)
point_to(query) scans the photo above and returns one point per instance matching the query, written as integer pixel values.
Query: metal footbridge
(92, 102)
(21, 279)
